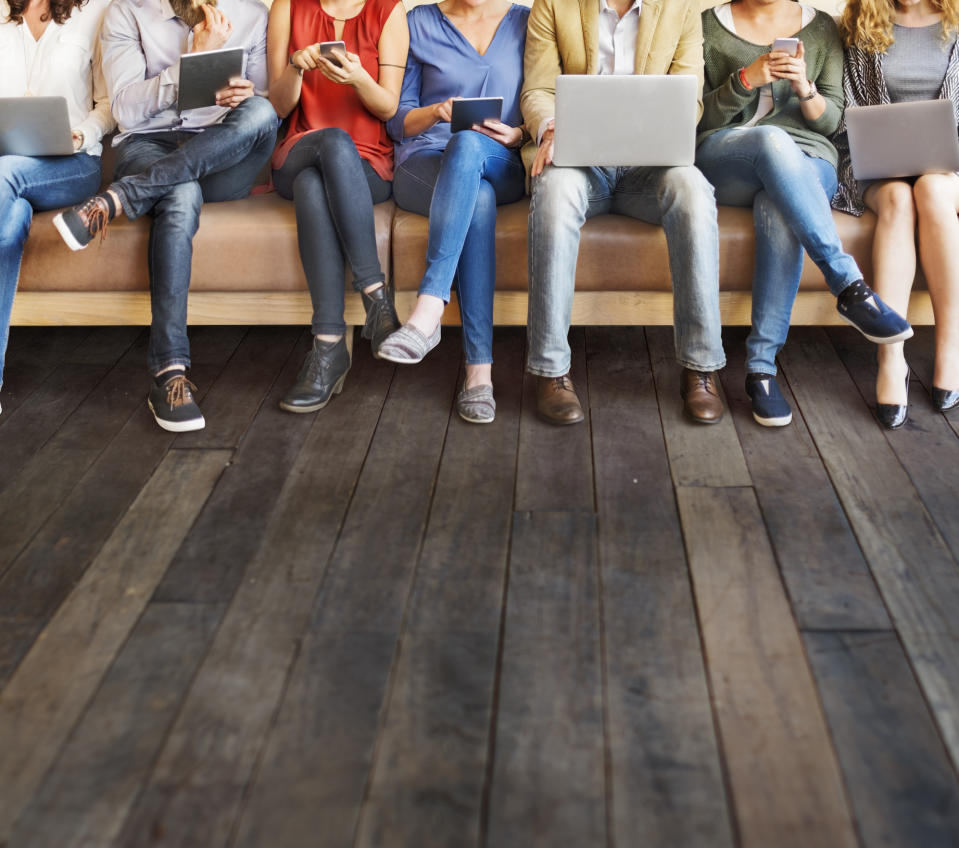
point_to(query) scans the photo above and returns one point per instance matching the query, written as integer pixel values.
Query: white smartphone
(327, 48)
(786, 45)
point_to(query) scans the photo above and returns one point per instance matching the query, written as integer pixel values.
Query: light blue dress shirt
(443, 64)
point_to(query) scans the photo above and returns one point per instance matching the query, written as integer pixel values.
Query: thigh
(724, 159)
(52, 182)
(415, 179)
(644, 192)
(380, 189)
(825, 173)
(506, 174)
(236, 182)
(557, 190)
(138, 152)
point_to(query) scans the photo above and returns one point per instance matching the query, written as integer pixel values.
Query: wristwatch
(813, 91)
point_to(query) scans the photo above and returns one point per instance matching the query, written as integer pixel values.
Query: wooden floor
(381, 626)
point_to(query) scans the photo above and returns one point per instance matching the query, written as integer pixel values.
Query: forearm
(379, 101)
(419, 120)
(284, 92)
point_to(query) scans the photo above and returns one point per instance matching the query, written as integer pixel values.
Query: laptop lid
(35, 126)
(902, 139)
(625, 119)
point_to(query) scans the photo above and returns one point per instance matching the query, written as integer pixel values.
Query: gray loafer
(408, 345)
(476, 405)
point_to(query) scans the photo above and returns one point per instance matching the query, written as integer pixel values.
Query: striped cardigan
(864, 85)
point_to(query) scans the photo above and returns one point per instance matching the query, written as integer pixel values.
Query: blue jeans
(170, 175)
(679, 199)
(460, 188)
(789, 191)
(29, 183)
(324, 176)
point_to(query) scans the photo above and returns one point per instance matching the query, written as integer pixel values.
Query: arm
(285, 80)
(824, 112)
(541, 64)
(100, 119)
(688, 58)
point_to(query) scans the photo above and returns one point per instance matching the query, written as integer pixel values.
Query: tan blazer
(563, 38)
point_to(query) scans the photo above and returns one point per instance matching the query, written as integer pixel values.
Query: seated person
(38, 64)
(632, 37)
(459, 48)
(894, 52)
(169, 163)
(335, 162)
(762, 143)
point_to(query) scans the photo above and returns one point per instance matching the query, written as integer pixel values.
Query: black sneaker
(770, 408)
(860, 306)
(381, 317)
(173, 406)
(78, 226)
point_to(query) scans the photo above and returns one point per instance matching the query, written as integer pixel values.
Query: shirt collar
(636, 6)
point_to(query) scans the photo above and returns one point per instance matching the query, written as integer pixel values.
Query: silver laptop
(902, 139)
(35, 126)
(625, 119)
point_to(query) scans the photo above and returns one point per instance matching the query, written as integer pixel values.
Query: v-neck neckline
(469, 43)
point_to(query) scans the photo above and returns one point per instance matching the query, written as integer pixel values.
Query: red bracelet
(743, 80)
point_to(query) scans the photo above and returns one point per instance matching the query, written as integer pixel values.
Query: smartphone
(786, 45)
(327, 48)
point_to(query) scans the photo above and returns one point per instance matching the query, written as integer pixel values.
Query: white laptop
(35, 126)
(625, 119)
(902, 139)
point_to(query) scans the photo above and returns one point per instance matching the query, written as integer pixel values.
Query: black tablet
(203, 74)
(474, 110)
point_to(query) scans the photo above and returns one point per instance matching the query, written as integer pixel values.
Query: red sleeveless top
(324, 103)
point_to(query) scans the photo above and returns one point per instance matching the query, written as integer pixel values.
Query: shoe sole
(899, 337)
(399, 360)
(177, 426)
(475, 420)
(557, 423)
(316, 407)
(65, 233)
(782, 421)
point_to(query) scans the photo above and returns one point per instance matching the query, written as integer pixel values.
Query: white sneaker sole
(65, 233)
(900, 337)
(773, 422)
(177, 426)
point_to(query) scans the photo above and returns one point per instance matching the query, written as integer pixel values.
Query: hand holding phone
(327, 48)
(786, 45)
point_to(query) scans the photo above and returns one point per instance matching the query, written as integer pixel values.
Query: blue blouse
(443, 64)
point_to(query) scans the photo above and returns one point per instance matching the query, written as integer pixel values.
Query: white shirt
(617, 44)
(142, 41)
(64, 62)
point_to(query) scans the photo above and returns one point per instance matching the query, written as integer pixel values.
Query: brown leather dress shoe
(702, 400)
(556, 400)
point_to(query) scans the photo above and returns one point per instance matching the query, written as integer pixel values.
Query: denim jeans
(170, 175)
(460, 188)
(325, 178)
(29, 183)
(789, 192)
(679, 199)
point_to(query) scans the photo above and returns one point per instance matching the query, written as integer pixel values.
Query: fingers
(235, 93)
(544, 154)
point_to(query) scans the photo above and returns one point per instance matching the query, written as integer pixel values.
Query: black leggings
(324, 176)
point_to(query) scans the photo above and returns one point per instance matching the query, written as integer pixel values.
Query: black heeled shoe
(944, 399)
(381, 317)
(321, 376)
(893, 415)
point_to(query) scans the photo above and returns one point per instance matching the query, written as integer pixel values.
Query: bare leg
(427, 314)
(894, 267)
(937, 202)
(479, 375)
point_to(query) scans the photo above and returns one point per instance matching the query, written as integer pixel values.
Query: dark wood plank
(555, 466)
(210, 564)
(44, 698)
(785, 781)
(428, 778)
(909, 559)
(52, 472)
(926, 445)
(235, 397)
(699, 454)
(830, 585)
(548, 781)
(194, 792)
(666, 779)
(314, 771)
(32, 355)
(901, 784)
(107, 759)
(56, 557)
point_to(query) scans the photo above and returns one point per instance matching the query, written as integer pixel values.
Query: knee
(257, 113)
(558, 194)
(934, 195)
(687, 189)
(485, 209)
(181, 205)
(15, 216)
(467, 145)
(335, 145)
(896, 206)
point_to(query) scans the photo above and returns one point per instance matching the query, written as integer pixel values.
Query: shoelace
(563, 382)
(178, 392)
(95, 217)
(703, 381)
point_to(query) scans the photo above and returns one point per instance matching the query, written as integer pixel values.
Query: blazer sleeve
(688, 58)
(541, 66)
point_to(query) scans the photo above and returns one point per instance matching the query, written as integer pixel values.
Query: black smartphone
(327, 48)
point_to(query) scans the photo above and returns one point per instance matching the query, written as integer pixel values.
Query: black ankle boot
(381, 319)
(320, 377)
